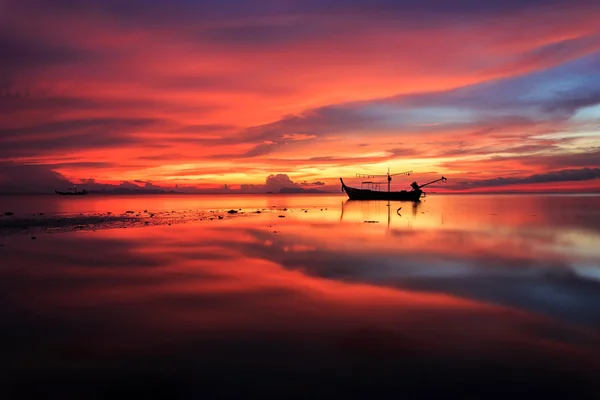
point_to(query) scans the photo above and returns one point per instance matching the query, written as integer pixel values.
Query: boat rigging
(388, 175)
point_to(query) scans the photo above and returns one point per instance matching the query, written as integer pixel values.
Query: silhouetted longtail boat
(73, 193)
(369, 194)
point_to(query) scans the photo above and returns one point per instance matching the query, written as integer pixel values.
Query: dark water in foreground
(480, 296)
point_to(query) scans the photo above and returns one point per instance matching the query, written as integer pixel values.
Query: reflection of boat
(369, 194)
(74, 192)
(371, 210)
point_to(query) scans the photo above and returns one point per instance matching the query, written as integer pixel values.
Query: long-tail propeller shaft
(416, 186)
(443, 179)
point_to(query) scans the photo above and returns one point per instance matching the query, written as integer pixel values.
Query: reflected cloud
(307, 294)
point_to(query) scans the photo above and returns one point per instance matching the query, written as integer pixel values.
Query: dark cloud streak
(570, 175)
(71, 134)
(20, 52)
(163, 10)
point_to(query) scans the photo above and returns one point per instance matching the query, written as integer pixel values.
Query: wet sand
(26, 224)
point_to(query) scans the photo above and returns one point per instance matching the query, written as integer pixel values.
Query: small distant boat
(74, 192)
(369, 194)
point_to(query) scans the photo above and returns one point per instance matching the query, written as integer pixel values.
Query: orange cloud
(175, 96)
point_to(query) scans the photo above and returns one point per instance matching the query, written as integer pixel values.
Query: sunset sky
(208, 93)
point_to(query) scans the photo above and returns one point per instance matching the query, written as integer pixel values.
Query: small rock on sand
(9, 213)
(282, 216)
(232, 212)
(220, 217)
(129, 212)
(33, 238)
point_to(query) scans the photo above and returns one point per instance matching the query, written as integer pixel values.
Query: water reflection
(443, 293)
(484, 212)
(371, 211)
(95, 203)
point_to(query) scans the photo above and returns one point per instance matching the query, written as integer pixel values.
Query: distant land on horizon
(297, 191)
(120, 191)
(164, 191)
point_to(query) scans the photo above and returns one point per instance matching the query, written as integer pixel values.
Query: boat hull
(71, 193)
(365, 194)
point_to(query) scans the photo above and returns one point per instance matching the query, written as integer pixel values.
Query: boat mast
(389, 179)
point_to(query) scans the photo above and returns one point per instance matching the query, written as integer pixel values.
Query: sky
(496, 96)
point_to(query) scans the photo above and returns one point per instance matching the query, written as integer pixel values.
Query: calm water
(459, 295)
